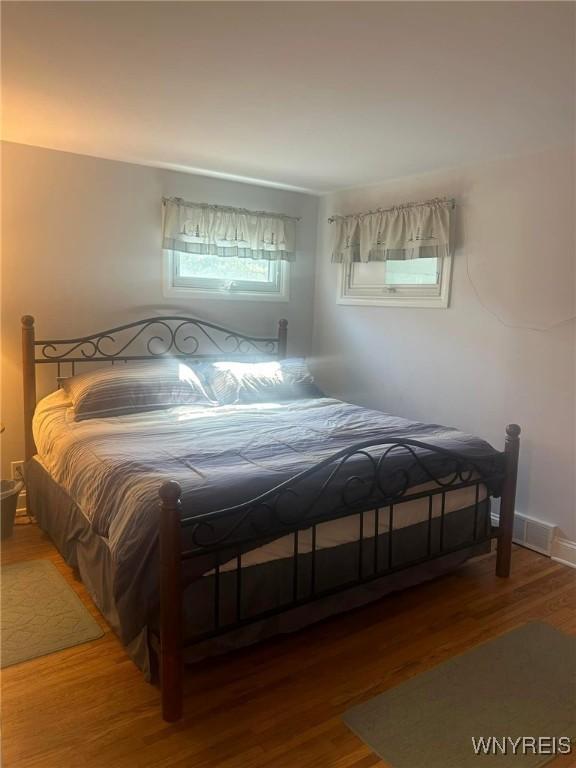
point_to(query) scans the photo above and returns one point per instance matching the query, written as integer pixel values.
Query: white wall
(81, 252)
(462, 366)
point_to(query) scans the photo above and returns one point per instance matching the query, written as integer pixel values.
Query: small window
(423, 282)
(225, 277)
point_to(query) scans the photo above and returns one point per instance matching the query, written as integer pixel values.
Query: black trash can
(9, 490)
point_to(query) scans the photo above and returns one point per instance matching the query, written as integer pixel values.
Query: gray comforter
(112, 468)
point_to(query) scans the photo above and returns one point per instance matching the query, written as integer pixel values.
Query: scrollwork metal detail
(374, 481)
(156, 337)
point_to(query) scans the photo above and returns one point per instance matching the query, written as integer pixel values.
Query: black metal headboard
(172, 336)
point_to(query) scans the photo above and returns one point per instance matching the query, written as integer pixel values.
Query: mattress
(346, 530)
(112, 469)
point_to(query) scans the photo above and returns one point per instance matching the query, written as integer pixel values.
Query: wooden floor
(277, 704)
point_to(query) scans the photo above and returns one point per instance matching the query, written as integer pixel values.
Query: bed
(201, 528)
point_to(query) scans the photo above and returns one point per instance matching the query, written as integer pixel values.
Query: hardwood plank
(276, 704)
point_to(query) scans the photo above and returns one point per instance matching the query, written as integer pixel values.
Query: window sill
(424, 302)
(212, 295)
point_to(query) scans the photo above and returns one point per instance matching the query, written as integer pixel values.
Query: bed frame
(226, 534)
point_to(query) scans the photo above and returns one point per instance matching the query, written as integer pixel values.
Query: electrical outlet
(16, 469)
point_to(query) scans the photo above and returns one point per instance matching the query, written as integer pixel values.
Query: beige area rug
(522, 684)
(40, 614)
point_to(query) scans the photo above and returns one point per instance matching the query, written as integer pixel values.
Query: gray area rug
(520, 684)
(40, 614)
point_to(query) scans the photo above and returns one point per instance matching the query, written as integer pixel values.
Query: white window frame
(380, 295)
(208, 288)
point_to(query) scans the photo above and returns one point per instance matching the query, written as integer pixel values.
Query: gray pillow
(273, 381)
(134, 387)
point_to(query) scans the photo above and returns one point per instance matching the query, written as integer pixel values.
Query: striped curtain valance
(411, 231)
(228, 232)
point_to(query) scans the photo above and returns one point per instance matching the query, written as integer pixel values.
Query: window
(423, 282)
(228, 253)
(399, 256)
(225, 277)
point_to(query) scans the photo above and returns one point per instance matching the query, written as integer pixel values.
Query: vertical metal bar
(295, 568)
(390, 529)
(476, 511)
(360, 545)
(59, 374)
(239, 586)
(217, 592)
(73, 368)
(429, 543)
(442, 510)
(376, 527)
(313, 565)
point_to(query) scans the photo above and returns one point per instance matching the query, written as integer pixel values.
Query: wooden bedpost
(282, 338)
(171, 621)
(29, 383)
(508, 501)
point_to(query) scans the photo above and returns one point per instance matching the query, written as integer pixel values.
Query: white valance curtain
(411, 231)
(220, 231)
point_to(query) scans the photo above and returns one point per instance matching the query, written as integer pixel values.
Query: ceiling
(312, 95)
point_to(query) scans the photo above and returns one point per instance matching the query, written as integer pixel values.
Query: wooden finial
(27, 321)
(170, 493)
(513, 430)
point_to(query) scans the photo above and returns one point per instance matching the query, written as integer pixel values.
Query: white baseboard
(564, 551)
